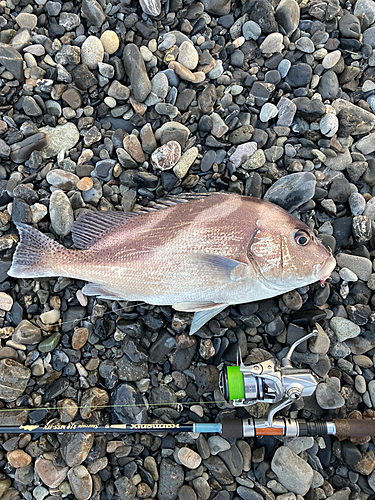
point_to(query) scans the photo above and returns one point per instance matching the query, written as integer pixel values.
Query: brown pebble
(138, 107)
(181, 71)
(18, 459)
(134, 148)
(166, 156)
(73, 98)
(85, 184)
(79, 338)
(24, 440)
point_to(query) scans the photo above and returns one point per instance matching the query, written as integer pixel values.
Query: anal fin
(101, 291)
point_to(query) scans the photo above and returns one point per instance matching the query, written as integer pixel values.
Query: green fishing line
(236, 388)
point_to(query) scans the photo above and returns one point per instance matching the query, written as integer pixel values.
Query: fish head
(285, 252)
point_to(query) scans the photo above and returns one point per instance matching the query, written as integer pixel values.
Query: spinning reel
(269, 382)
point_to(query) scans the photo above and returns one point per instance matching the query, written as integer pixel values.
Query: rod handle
(232, 428)
(354, 427)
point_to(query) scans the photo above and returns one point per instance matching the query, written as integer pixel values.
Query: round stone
(110, 41)
(187, 55)
(272, 44)
(92, 52)
(329, 125)
(166, 156)
(189, 458)
(251, 30)
(331, 59)
(85, 184)
(306, 45)
(79, 338)
(18, 459)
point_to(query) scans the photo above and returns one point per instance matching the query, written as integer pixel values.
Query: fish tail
(35, 254)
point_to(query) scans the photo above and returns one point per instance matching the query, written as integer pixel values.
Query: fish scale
(198, 255)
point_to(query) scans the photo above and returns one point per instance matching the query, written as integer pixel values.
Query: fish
(197, 253)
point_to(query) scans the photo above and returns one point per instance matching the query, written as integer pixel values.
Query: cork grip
(354, 428)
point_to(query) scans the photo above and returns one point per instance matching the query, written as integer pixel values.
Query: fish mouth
(323, 271)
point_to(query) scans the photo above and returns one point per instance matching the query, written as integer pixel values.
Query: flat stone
(362, 121)
(366, 145)
(331, 59)
(292, 191)
(329, 125)
(151, 7)
(292, 472)
(170, 481)
(256, 160)
(243, 153)
(288, 15)
(13, 379)
(344, 328)
(93, 11)
(6, 301)
(80, 481)
(185, 162)
(187, 55)
(51, 475)
(76, 447)
(272, 44)
(12, 60)
(189, 458)
(61, 213)
(136, 71)
(361, 266)
(60, 138)
(26, 333)
(328, 396)
(62, 179)
(18, 459)
(49, 343)
(217, 444)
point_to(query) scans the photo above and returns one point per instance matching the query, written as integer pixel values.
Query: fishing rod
(270, 381)
(227, 428)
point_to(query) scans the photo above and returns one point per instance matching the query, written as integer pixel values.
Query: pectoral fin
(204, 311)
(221, 268)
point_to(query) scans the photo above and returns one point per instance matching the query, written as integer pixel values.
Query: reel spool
(269, 382)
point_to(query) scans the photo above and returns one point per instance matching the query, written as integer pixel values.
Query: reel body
(277, 383)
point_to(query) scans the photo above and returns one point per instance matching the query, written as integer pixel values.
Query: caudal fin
(34, 255)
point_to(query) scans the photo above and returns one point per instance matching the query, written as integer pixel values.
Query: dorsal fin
(92, 226)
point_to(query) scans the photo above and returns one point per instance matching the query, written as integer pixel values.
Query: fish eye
(302, 238)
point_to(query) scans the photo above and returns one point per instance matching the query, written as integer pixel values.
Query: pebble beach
(114, 105)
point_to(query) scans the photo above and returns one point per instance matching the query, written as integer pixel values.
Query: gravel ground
(273, 100)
